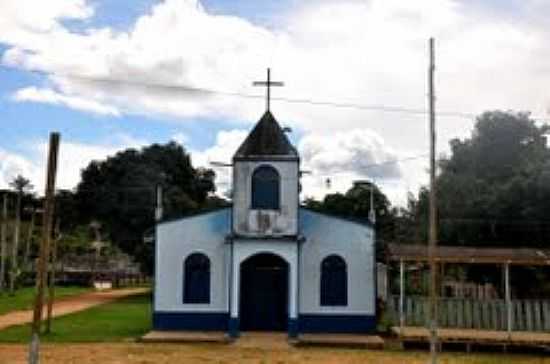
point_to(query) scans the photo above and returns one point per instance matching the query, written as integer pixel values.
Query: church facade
(265, 263)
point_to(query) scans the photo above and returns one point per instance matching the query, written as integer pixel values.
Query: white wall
(327, 235)
(175, 241)
(247, 222)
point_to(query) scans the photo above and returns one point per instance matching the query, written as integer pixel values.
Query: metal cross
(268, 85)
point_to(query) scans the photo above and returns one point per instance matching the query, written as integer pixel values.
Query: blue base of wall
(220, 321)
(293, 328)
(337, 324)
(209, 321)
(233, 327)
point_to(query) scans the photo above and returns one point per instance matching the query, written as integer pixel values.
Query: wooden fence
(526, 315)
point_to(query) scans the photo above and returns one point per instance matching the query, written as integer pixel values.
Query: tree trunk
(3, 243)
(14, 254)
(29, 241)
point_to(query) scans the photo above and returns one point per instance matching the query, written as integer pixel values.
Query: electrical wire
(203, 90)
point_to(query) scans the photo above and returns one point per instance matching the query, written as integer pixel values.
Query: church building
(265, 263)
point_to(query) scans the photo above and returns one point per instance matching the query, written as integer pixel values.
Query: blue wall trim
(337, 323)
(206, 321)
(220, 321)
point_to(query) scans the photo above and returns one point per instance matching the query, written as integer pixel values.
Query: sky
(110, 75)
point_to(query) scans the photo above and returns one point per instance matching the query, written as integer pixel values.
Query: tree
(494, 189)
(21, 185)
(119, 192)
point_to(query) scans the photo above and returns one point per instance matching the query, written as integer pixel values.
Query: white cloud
(50, 96)
(73, 157)
(368, 52)
(226, 144)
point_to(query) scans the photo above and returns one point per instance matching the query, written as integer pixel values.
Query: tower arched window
(265, 188)
(334, 281)
(196, 280)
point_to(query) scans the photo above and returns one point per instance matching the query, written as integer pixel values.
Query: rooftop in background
(266, 139)
(471, 255)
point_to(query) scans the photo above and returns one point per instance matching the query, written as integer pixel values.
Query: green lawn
(24, 297)
(127, 318)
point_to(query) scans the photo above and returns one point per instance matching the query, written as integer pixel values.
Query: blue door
(264, 293)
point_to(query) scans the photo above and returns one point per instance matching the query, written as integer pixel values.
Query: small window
(196, 280)
(334, 281)
(265, 188)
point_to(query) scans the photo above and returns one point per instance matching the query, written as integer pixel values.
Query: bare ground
(134, 353)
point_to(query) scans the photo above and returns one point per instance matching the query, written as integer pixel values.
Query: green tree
(494, 189)
(120, 193)
(21, 185)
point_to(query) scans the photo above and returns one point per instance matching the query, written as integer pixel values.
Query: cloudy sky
(106, 74)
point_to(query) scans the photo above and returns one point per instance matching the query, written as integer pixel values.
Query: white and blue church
(265, 262)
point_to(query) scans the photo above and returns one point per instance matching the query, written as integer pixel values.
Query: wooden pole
(3, 242)
(401, 295)
(508, 295)
(41, 274)
(433, 212)
(51, 290)
(159, 208)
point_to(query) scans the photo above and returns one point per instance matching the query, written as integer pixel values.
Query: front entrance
(264, 293)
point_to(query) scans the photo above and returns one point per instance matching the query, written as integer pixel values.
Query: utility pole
(432, 241)
(3, 242)
(41, 273)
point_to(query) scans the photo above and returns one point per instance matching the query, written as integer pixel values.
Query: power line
(203, 90)
(393, 161)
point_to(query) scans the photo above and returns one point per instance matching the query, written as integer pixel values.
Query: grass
(121, 320)
(24, 297)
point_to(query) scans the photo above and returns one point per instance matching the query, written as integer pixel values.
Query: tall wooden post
(433, 213)
(3, 242)
(401, 295)
(41, 273)
(51, 288)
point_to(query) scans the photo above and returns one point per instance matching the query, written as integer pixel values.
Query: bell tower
(266, 180)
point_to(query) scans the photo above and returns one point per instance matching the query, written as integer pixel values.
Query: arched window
(334, 281)
(265, 188)
(196, 280)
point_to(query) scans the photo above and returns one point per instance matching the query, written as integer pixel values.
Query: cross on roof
(268, 85)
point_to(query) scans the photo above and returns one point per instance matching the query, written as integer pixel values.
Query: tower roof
(266, 139)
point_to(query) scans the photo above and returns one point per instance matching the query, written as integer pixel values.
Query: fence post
(508, 298)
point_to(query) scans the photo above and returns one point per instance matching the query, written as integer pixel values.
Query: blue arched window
(196, 280)
(265, 188)
(334, 281)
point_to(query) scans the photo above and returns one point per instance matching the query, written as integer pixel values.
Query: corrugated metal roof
(465, 254)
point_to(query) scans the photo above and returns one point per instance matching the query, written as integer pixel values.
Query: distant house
(265, 263)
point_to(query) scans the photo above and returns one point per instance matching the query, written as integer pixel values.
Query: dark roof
(473, 255)
(266, 139)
